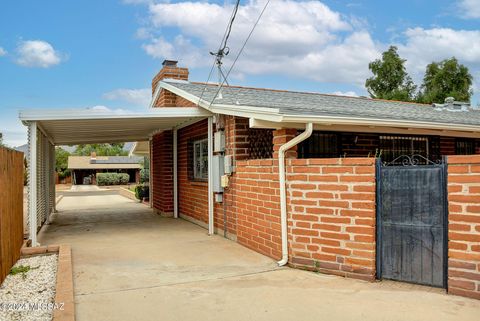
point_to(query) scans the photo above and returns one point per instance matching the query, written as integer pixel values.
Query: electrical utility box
(218, 172)
(219, 142)
(228, 164)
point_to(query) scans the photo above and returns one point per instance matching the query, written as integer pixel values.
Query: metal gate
(412, 221)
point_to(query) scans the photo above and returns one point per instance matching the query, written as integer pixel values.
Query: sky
(103, 54)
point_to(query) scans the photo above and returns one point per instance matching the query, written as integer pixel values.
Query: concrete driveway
(132, 265)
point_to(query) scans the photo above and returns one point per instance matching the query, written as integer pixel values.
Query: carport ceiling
(69, 127)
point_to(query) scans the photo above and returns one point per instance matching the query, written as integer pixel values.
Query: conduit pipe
(283, 190)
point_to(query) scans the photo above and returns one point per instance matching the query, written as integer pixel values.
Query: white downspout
(175, 175)
(210, 176)
(32, 182)
(283, 191)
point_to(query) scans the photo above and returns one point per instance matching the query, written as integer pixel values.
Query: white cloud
(305, 39)
(136, 97)
(299, 38)
(37, 53)
(422, 46)
(3, 52)
(105, 109)
(469, 9)
(345, 93)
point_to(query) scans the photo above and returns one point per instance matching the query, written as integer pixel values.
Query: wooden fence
(11, 209)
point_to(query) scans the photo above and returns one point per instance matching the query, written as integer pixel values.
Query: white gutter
(210, 176)
(283, 191)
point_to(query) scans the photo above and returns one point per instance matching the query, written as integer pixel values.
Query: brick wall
(192, 195)
(332, 215)
(257, 206)
(167, 98)
(162, 173)
(464, 226)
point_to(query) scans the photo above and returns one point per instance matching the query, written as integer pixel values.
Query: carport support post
(210, 175)
(32, 181)
(175, 175)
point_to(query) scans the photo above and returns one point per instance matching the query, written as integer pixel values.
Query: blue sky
(63, 54)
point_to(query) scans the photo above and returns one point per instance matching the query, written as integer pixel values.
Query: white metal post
(175, 175)
(32, 181)
(210, 176)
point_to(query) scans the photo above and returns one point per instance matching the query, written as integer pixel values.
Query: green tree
(1, 139)
(113, 149)
(61, 162)
(445, 79)
(390, 79)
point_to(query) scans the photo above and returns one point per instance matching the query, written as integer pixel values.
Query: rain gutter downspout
(283, 192)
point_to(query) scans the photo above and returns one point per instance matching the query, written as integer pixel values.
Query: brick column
(464, 226)
(162, 173)
(280, 137)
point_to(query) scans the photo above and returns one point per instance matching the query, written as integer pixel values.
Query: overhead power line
(240, 52)
(222, 48)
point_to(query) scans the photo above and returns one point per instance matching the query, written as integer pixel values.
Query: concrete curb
(128, 194)
(64, 286)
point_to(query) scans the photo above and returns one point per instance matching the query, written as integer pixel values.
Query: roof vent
(452, 105)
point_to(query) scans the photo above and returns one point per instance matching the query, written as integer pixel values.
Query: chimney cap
(167, 62)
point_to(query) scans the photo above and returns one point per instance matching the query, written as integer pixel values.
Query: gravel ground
(30, 296)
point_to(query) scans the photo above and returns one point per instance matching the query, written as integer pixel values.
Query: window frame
(202, 175)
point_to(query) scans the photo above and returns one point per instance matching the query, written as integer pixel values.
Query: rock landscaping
(28, 292)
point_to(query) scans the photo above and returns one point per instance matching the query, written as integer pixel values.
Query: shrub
(144, 175)
(141, 191)
(112, 179)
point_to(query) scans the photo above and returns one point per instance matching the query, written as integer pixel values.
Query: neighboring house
(85, 168)
(357, 187)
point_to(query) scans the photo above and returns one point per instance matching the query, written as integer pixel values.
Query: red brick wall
(332, 215)
(236, 135)
(167, 98)
(464, 226)
(162, 172)
(192, 195)
(257, 205)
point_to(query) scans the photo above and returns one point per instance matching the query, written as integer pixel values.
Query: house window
(200, 159)
(393, 147)
(464, 146)
(320, 145)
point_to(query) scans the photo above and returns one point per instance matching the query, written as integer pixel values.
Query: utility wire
(240, 52)
(222, 47)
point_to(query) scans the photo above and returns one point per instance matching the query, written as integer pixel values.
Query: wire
(221, 48)
(240, 52)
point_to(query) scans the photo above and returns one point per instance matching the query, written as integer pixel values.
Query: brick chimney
(170, 70)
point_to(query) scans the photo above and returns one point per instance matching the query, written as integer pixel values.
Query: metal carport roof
(74, 126)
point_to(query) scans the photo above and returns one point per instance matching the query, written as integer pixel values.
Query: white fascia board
(265, 113)
(338, 120)
(80, 114)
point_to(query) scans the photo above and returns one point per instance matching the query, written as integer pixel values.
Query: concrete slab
(130, 264)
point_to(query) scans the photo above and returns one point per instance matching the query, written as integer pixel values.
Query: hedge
(142, 191)
(112, 179)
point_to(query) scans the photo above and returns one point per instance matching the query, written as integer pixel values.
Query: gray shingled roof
(315, 104)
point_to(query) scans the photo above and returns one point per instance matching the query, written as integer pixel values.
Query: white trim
(175, 175)
(331, 126)
(273, 115)
(32, 182)
(210, 176)
(80, 114)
